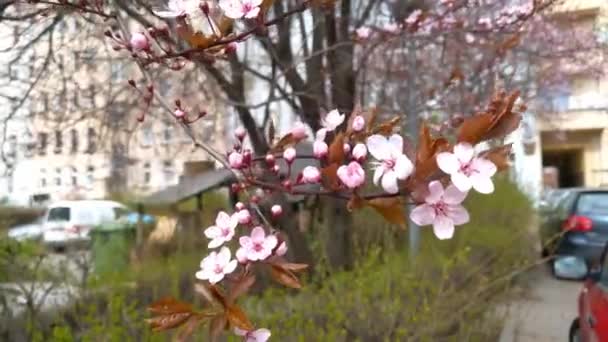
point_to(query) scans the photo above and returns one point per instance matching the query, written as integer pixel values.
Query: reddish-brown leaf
(355, 202)
(391, 208)
(241, 287)
(499, 156)
(330, 177)
(169, 305)
(293, 267)
(285, 277)
(218, 324)
(336, 150)
(287, 140)
(188, 328)
(428, 148)
(425, 144)
(474, 128)
(237, 318)
(387, 127)
(168, 321)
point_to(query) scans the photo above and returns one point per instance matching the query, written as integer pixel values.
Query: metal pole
(410, 127)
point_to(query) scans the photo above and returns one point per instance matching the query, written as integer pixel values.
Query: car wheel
(575, 332)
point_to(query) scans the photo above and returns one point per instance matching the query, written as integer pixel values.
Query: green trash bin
(111, 245)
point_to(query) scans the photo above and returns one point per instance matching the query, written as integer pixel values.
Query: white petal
(213, 232)
(389, 182)
(222, 219)
(464, 152)
(378, 173)
(258, 235)
(166, 14)
(261, 335)
(234, 221)
(223, 257)
(482, 184)
(403, 166)
(230, 267)
(484, 166)
(423, 215)
(453, 196)
(396, 142)
(256, 2)
(202, 275)
(215, 243)
(378, 147)
(215, 277)
(240, 332)
(321, 134)
(435, 192)
(270, 242)
(461, 181)
(458, 214)
(448, 162)
(443, 227)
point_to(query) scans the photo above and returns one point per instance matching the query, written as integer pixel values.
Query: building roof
(190, 186)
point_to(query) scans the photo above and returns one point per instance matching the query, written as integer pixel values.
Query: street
(546, 312)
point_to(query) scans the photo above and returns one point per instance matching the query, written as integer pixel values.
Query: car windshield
(593, 203)
(59, 214)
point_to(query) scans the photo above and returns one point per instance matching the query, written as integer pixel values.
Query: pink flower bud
(240, 133)
(346, 148)
(311, 175)
(239, 206)
(247, 157)
(230, 48)
(276, 168)
(139, 42)
(235, 187)
(360, 152)
(235, 160)
(320, 149)
(299, 131)
(289, 154)
(276, 210)
(178, 113)
(351, 175)
(282, 249)
(358, 123)
(254, 199)
(270, 159)
(244, 216)
(287, 184)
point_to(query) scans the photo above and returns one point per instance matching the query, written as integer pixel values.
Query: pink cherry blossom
(442, 209)
(240, 133)
(243, 216)
(258, 246)
(216, 265)
(391, 28)
(321, 134)
(289, 154)
(237, 9)
(320, 149)
(178, 113)
(192, 9)
(351, 175)
(239, 206)
(282, 249)
(299, 131)
(466, 170)
(332, 120)
(363, 32)
(139, 42)
(392, 164)
(358, 123)
(311, 175)
(260, 335)
(276, 210)
(223, 231)
(413, 17)
(360, 152)
(235, 160)
(346, 148)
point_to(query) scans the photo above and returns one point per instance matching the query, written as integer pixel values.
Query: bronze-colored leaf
(391, 208)
(293, 267)
(425, 144)
(336, 150)
(217, 294)
(237, 318)
(218, 324)
(287, 140)
(241, 287)
(285, 277)
(169, 305)
(330, 177)
(499, 156)
(474, 128)
(168, 321)
(387, 127)
(187, 329)
(355, 202)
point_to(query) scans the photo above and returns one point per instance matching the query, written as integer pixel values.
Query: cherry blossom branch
(81, 7)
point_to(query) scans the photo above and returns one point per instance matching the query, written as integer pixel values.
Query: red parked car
(592, 322)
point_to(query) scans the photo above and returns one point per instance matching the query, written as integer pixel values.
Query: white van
(69, 222)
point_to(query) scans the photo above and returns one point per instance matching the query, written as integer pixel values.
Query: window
(58, 142)
(167, 134)
(120, 212)
(90, 174)
(12, 146)
(117, 72)
(592, 203)
(89, 100)
(91, 140)
(29, 145)
(168, 171)
(74, 141)
(59, 214)
(42, 142)
(58, 176)
(42, 178)
(147, 136)
(74, 176)
(45, 102)
(147, 175)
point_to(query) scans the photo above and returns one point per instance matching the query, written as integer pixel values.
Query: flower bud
(320, 149)
(230, 48)
(244, 216)
(276, 168)
(235, 187)
(235, 160)
(360, 152)
(178, 113)
(346, 148)
(239, 206)
(298, 131)
(247, 157)
(139, 42)
(311, 175)
(289, 155)
(254, 199)
(282, 249)
(270, 160)
(276, 210)
(240, 133)
(287, 184)
(358, 123)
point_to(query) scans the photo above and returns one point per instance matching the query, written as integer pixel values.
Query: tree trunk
(338, 239)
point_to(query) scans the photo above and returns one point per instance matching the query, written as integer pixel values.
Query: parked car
(591, 325)
(578, 226)
(25, 232)
(69, 222)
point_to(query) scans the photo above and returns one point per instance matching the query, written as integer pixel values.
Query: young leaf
(168, 321)
(391, 208)
(237, 318)
(336, 150)
(286, 140)
(293, 267)
(387, 127)
(330, 177)
(285, 277)
(169, 305)
(188, 328)
(242, 286)
(499, 156)
(355, 202)
(474, 128)
(218, 324)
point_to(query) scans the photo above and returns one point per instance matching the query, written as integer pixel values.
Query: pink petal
(484, 167)
(389, 182)
(215, 277)
(461, 181)
(270, 242)
(453, 196)
(223, 257)
(230, 267)
(253, 13)
(378, 172)
(443, 227)
(396, 142)
(261, 335)
(241, 255)
(245, 242)
(212, 232)
(458, 214)
(202, 275)
(435, 192)
(378, 147)
(240, 332)
(448, 162)
(482, 184)
(222, 220)
(423, 215)
(215, 243)
(234, 220)
(256, 2)
(258, 235)
(464, 152)
(403, 166)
